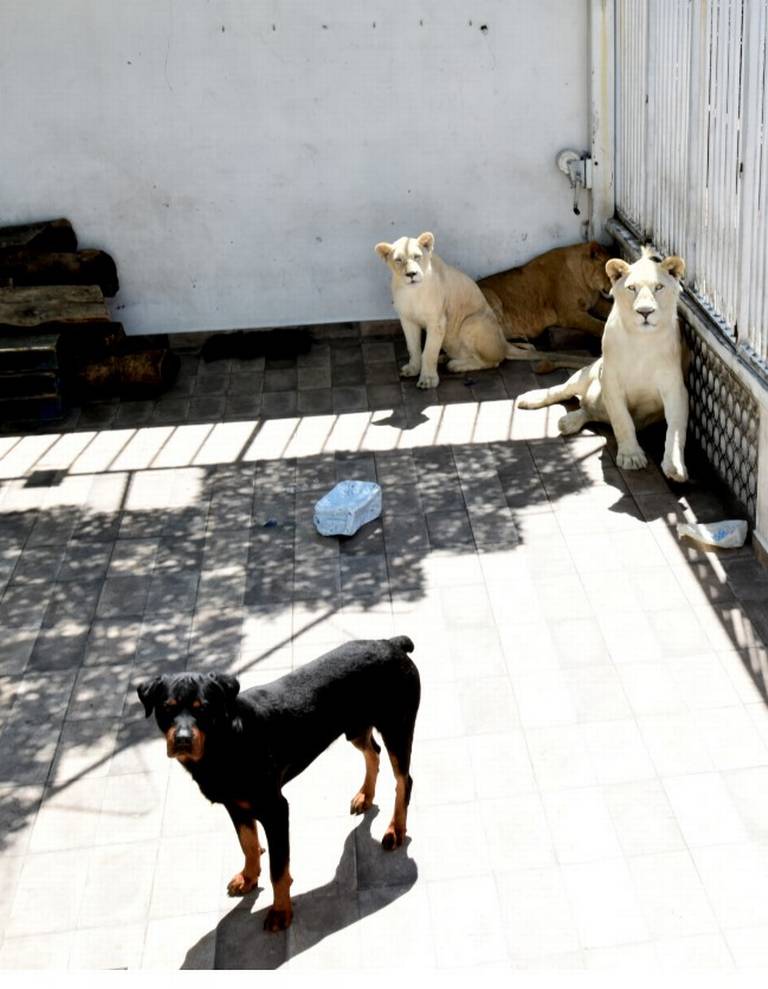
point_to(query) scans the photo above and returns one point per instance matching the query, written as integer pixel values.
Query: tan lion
(639, 378)
(555, 289)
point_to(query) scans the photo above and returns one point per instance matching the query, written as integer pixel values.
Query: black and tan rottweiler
(242, 747)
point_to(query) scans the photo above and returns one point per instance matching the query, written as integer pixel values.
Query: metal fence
(692, 149)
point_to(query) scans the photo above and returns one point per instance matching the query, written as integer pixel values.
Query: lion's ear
(427, 241)
(596, 250)
(383, 250)
(616, 269)
(674, 266)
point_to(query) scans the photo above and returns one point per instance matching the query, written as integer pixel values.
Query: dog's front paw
(360, 803)
(241, 884)
(428, 381)
(674, 471)
(277, 920)
(410, 370)
(631, 458)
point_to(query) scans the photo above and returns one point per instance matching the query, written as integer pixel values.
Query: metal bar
(602, 107)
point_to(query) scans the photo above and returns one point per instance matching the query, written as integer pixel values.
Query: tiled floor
(591, 760)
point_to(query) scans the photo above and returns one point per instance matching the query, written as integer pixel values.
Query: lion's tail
(550, 361)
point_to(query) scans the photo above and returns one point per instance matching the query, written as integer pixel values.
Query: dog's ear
(674, 266)
(616, 269)
(227, 686)
(149, 693)
(426, 240)
(383, 249)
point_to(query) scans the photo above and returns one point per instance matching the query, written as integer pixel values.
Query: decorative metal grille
(724, 421)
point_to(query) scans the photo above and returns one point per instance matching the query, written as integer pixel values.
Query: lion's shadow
(367, 879)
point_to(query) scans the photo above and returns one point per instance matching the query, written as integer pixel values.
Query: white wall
(240, 158)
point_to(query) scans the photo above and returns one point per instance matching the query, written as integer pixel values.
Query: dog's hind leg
(395, 833)
(398, 742)
(370, 748)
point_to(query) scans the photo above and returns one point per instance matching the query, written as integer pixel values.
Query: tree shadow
(367, 879)
(220, 570)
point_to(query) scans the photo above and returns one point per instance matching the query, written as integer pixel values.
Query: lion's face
(408, 257)
(593, 262)
(646, 292)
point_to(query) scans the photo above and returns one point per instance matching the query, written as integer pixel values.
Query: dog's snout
(183, 737)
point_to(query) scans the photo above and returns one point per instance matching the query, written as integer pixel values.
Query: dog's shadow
(367, 879)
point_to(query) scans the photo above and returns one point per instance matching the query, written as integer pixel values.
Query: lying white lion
(639, 378)
(428, 293)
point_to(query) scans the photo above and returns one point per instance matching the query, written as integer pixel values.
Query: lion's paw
(531, 399)
(631, 459)
(428, 381)
(675, 472)
(572, 422)
(409, 370)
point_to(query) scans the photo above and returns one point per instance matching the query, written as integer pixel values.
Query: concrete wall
(239, 159)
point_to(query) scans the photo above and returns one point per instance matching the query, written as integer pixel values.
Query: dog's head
(408, 257)
(188, 707)
(646, 292)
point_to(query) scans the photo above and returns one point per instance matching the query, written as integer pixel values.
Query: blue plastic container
(346, 507)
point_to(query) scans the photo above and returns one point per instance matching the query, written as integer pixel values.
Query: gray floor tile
(18, 643)
(123, 597)
(313, 378)
(582, 693)
(279, 404)
(60, 647)
(172, 592)
(280, 380)
(24, 605)
(315, 401)
(352, 398)
(27, 750)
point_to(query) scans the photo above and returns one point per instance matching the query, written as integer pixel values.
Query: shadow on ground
(367, 880)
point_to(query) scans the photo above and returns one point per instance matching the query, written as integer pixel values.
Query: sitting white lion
(639, 378)
(430, 294)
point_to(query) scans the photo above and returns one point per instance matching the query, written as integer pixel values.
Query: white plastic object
(347, 507)
(729, 534)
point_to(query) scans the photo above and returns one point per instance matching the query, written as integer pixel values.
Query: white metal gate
(692, 149)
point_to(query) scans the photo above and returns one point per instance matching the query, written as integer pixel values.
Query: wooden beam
(25, 268)
(52, 303)
(48, 235)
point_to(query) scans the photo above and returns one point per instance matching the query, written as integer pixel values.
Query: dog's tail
(403, 642)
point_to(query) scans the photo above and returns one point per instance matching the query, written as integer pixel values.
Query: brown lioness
(555, 289)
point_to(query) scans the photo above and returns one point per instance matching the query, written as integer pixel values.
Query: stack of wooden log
(58, 343)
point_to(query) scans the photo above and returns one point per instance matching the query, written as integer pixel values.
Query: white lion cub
(430, 294)
(639, 378)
